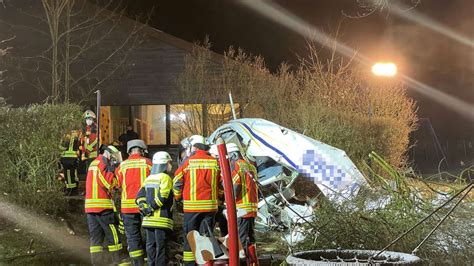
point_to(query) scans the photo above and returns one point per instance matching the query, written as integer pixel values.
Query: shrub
(376, 217)
(31, 144)
(336, 102)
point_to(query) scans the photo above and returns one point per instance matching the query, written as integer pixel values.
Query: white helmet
(115, 154)
(213, 150)
(89, 114)
(196, 139)
(161, 157)
(232, 147)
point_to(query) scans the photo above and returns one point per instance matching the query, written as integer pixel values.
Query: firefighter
(196, 183)
(155, 201)
(89, 138)
(100, 182)
(185, 150)
(221, 220)
(131, 174)
(244, 177)
(69, 161)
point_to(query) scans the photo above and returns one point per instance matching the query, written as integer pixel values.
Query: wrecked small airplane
(283, 157)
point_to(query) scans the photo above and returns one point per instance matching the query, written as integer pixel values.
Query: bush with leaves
(31, 145)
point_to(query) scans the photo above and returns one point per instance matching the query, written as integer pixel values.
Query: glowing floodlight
(384, 69)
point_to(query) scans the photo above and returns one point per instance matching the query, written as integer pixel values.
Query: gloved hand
(145, 209)
(179, 206)
(110, 168)
(121, 229)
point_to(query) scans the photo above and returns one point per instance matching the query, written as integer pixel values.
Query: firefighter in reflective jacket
(196, 182)
(89, 138)
(131, 174)
(244, 177)
(155, 200)
(99, 207)
(69, 161)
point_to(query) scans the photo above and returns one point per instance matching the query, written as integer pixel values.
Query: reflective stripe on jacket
(71, 144)
(197, 183)
(130, 175)
(99, 185)
(243, 175)
(90, 141)
(157, 192)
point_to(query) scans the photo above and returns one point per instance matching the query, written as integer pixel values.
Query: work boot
(98, 258)
(138, 261)
(116, 260)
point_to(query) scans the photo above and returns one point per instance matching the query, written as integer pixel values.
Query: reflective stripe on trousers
(132, 223)
(102, 227)
(195, 221)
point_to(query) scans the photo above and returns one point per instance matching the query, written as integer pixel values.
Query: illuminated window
(149, 122)
(186, 120)
(113, 123)
(219, 114)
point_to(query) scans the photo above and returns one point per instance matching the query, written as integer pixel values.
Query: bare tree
(369, 7)
(331, 100)
(206, 82)
(86, 46)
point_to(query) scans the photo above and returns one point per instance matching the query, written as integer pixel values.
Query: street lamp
(384, 69)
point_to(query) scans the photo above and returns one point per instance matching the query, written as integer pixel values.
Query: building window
(219, 114)
(113, 123)
(186, 120)
(149, 121)
(192, 119)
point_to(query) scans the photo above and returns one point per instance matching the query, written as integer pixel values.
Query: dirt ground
(20, 246)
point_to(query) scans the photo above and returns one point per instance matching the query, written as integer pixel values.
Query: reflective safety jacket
(197, 182)
(99, 185)
(244, 176)
(71, 144)
(157, 192)
(130, 176)
(89, 142)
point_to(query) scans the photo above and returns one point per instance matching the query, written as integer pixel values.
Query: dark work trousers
(246, 231)
(102, 229)
(132, 223)
(195, 221)
(222, 221)
(88, 162)
(69, 166)
(156, 249)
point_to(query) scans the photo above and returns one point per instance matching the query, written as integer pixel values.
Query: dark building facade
(136, 68)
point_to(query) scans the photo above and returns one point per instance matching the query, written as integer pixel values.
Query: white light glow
(384, 69)
(180, 116)
(289, 20)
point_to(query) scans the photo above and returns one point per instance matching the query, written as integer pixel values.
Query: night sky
(421, 53)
